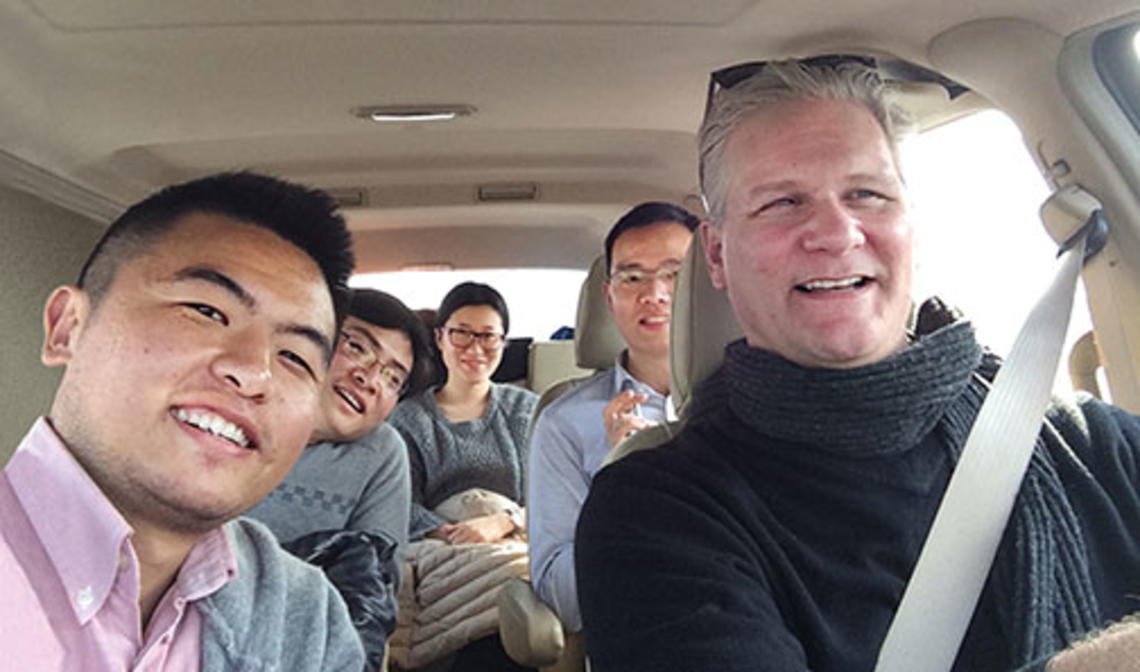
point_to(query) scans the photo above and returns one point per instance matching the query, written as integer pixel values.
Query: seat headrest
(597, 341)
(701, 325)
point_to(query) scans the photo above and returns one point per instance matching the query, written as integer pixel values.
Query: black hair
(646, 214)
(472, 294)
(305, 217)
(387, 312)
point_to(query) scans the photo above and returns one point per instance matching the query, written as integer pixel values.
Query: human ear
(713, 242)
(609, 297)
(65, 314)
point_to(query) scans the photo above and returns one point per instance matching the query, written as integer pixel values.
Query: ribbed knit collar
(882, 408)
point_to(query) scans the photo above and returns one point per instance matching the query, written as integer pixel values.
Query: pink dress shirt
(69, 577)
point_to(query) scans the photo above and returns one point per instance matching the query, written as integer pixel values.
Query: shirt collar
(85, 537)
(622, 374)
(209, 566)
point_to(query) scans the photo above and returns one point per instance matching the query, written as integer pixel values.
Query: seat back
(555, 365)
(701, 326)
(549, 362)
(597, 341)
(531, 633)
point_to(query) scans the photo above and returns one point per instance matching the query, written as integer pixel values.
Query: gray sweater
(278, 613)
(357, 485)
(450, 457)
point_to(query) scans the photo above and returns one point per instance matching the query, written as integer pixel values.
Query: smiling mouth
(212, 423)
(654, 320)
(350, 399)
(853, 282)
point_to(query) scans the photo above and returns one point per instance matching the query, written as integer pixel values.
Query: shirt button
(85, 597)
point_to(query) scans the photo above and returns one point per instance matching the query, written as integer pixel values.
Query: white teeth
(658, 319)
(351, 401)
(832, 284)
(213, 424)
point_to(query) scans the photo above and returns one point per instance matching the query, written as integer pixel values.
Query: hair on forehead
(305, 217)
(383, 310)
(473, 294)
(647, 214)
(781, 82)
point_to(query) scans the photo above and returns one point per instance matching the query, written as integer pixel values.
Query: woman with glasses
(468, 432)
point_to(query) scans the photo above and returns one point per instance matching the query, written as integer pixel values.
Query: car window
(540, 299)
(979, 240)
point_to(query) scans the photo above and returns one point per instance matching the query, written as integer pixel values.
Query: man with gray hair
(779, 529)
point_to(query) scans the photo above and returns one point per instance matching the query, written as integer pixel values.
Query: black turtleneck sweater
(778, 530)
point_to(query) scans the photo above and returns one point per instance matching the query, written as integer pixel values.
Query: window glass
(979, 242)
(540, 300)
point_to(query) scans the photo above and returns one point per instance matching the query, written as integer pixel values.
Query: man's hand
(484, 529)
(1117, 648)
(621, 418)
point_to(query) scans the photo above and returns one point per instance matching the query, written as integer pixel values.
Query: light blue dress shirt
(566, 450)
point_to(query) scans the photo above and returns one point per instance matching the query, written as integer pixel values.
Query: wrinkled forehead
(800, 139)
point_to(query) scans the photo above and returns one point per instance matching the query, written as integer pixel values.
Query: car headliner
(594, 104)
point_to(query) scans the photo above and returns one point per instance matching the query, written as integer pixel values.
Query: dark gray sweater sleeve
(386, 498)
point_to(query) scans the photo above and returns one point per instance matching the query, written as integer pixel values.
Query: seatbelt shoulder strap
(943, 591)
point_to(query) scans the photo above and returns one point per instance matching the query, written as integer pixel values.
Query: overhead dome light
(406, 113)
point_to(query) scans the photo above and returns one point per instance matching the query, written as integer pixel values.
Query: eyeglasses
(393, 377)
(636, 279)
(462, 338)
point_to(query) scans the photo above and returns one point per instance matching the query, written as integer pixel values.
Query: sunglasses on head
(888, 70)
(893, 70)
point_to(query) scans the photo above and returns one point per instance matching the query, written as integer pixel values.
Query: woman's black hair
(472, 294)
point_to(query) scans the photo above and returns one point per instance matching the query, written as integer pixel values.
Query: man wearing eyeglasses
(354, 473)
(644, 250)
(778, 530)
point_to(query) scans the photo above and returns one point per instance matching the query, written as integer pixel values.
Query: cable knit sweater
(449, 457)
(778, 530)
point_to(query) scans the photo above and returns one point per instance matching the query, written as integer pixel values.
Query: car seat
(530, 630)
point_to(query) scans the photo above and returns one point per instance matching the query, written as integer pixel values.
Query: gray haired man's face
(815, 247)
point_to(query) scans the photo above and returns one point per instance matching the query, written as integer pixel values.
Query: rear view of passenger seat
(531, 632)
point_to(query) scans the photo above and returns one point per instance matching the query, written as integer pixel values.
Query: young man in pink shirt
(194, 347)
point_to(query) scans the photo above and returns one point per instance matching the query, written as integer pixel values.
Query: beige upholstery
(1084, 361)
(531, 632)
(550, 362)
(701, 325)
(596, 343)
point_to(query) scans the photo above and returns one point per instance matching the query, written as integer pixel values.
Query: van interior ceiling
(502, 134)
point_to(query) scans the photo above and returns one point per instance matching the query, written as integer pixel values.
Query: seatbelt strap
(955, 560)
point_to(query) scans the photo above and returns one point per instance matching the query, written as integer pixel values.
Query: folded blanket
(448, 596)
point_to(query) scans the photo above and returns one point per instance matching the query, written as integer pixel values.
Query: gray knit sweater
(278, 613)
(356, 485)
(449, 457)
